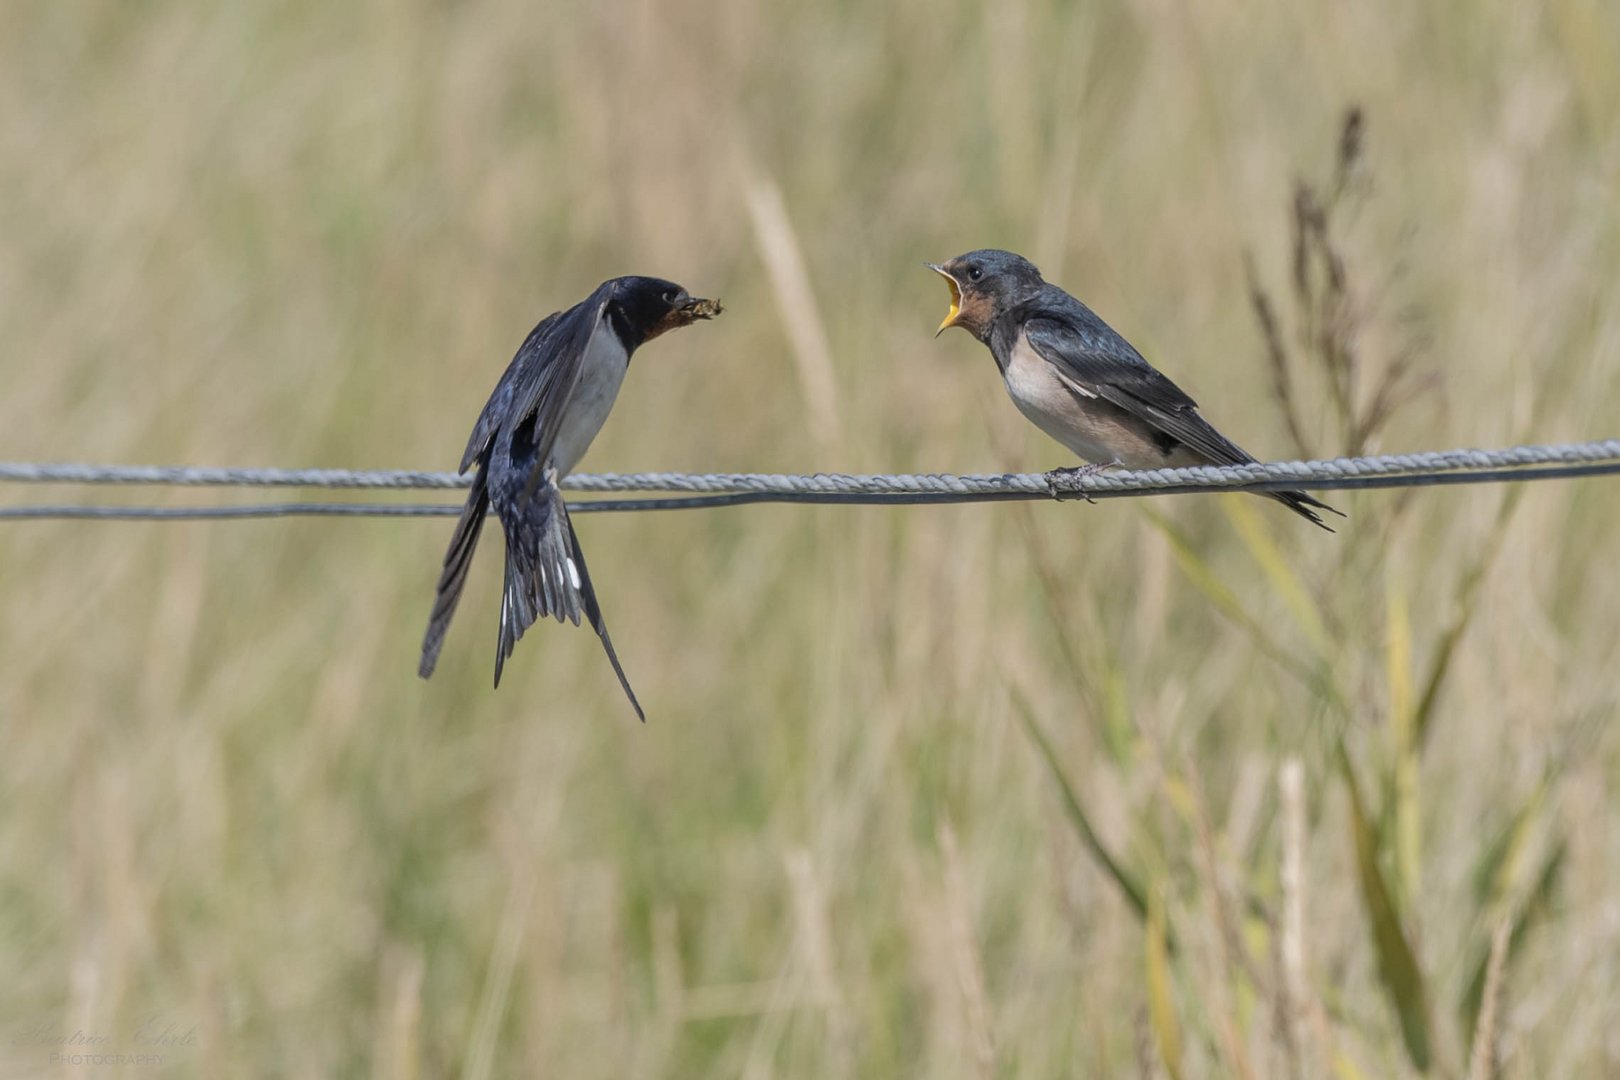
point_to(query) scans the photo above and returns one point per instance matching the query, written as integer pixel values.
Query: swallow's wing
(546, 393)
(530, 356)
(1096, 362)
(540, 379)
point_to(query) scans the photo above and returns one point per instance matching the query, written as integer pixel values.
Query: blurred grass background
(892, 753)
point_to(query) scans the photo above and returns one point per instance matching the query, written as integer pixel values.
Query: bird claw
(1060, 483)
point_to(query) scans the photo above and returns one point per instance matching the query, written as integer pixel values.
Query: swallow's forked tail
(457, 561)
(546, 575)
(1302, 504)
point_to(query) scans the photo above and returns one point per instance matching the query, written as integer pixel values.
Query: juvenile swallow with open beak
(540, 420)
(1079, 381)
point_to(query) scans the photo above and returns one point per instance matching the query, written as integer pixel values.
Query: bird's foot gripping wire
(1065, 483)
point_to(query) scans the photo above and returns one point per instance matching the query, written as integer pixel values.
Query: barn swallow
(540, 420)
(1080, 382)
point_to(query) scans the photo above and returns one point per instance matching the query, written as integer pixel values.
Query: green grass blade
(1204, 578)
(1527, 915)
(1397, 964)
(1251, 529)
(1467, 593)
(1135, 895)
(1403, 792)
(1161, 996)
(1498, 870)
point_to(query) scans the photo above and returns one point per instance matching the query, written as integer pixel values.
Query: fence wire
(708, 490)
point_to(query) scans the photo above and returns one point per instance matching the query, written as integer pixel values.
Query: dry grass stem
(783, 257)
(977, 1031)
(1482, 1060)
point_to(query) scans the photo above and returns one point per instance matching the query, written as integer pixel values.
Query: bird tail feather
(1303, 504)
(546, 575)
(457, 561)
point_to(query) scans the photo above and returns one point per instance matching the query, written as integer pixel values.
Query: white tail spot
(573, 572)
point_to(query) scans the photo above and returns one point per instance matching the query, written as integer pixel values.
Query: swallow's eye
(974, 273)
(669, 296)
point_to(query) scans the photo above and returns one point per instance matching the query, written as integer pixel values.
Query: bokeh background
(1173, 786)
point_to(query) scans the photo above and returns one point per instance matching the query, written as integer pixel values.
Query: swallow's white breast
(601, 373)
(1094, 429)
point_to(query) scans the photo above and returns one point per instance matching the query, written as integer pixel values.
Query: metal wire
(710, 490)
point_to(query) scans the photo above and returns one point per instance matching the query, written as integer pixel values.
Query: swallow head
(647, 307)
(983, 284)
